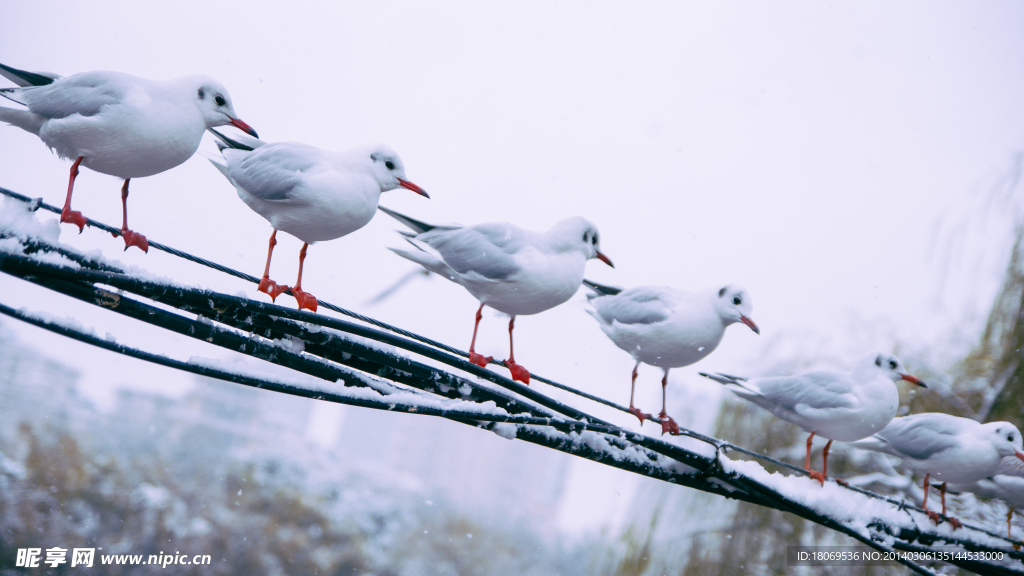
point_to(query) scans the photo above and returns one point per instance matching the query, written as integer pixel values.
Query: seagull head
(1005, 438)
(734, 305)
(214, 104)
(893, 368)
(577, 233)
(389, 171)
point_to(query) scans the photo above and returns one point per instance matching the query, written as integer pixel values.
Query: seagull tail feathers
(23, 119)
(735, 384)
(24, 78)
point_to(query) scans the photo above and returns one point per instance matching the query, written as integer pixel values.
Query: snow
(505, 430)
(16, 218)
(853, 509)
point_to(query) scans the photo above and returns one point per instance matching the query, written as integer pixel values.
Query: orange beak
(244, 127)
(605, 259)
(413, 187)
(914, 380)
(751, 324)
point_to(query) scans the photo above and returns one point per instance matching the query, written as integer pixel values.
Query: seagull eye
(594, 240)
(202, 94)
(1010, 437)
(892, 364)
(220, 100)
(737, 300)
(390, 164)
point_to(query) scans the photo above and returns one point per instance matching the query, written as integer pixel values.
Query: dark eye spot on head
(202, 94)
(389, 164)
(878, 361)
(220, 100)
(722, 292)
(892, 364)
(737, 300)
(594, 240)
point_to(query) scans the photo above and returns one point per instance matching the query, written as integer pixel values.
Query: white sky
(820, 156)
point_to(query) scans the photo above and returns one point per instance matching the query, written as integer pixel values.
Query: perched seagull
(117, 124)
(667, 328)
(512, 270)
(312, 194)
(953, 449)
(839, 406)
(1007, 484)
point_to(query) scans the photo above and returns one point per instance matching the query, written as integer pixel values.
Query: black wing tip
(30, 78)
(601, 289)
(229, 143)
(416, 225)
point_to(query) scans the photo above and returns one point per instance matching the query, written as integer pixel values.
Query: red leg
(1009, 516)
(305, 299)
(636, 411)
(518, 372)
(667, 423)
(268, 286)
(807, 462)
(130, 238)
(67, 214)
(478, 359)
(924, 503)
(952, 521)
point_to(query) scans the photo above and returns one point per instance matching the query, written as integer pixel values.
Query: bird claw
(135, 239)
(817, 476)
(668, 424)
(842, 482)
(935, 516)
(640, 414)
(73, 217)
(518, 372)
(479, 359)
(954, 523)
(305, 299)
(271, 288)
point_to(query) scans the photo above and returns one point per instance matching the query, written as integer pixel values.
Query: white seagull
(312, 194)
(1007, 484)
(953, 449)
(667, 328)
(512, 270)
(117, 124)
(839, 406)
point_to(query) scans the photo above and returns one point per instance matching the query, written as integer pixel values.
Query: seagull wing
(272, 171)
(809, 392)
(920, 436)
(640, 305)
(85, 94)
(487, 250)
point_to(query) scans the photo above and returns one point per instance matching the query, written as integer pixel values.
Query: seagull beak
(1018, 455)
(244, 127)
(413, 187)
(605, 259)
(750, 323)
(914, 380)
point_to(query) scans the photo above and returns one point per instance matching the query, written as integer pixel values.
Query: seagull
(836, 405)
(953, 449)
(312, 194)
(512, 270)
(117, 124)
(1007, 484)
(667, 327)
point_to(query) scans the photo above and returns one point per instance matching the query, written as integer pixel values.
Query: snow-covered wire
(328, 355)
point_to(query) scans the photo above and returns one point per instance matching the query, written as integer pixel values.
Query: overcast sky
(829, 158)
